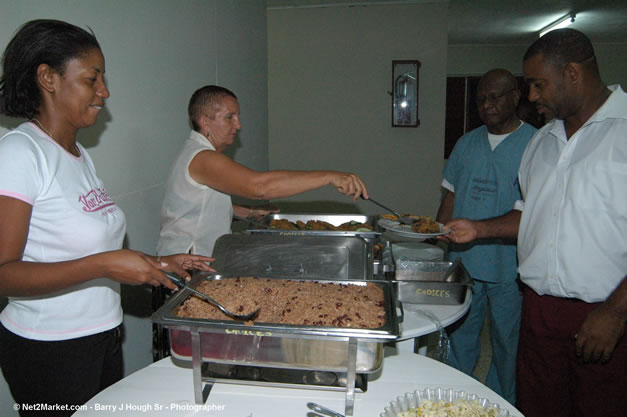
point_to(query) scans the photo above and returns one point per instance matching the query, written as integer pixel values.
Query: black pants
(60, 373)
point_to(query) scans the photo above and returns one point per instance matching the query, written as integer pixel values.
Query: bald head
(501, 77)
(497, 99)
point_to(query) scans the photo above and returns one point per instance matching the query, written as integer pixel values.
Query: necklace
(76, 152)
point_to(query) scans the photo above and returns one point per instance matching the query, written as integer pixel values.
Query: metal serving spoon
(252, 221)
(323, 410)
(404, 220)
(451, 269)
(181, 283)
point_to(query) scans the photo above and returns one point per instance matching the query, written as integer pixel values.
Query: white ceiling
(494, 22)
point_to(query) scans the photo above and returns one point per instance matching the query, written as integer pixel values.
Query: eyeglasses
(492, 98)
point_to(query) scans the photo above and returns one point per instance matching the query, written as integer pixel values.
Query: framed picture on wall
(405, 93)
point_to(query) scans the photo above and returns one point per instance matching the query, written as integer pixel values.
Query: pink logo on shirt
(95, 200)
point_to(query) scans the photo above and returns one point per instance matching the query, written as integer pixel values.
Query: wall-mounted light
(558, 24)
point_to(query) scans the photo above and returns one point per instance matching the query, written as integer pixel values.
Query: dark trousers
(60, 374)
(552, 380)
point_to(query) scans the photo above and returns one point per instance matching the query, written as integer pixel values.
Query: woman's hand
(349, 184)
(182, 263)
(136, 268)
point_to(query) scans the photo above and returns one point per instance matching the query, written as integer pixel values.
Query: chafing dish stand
(201, 392)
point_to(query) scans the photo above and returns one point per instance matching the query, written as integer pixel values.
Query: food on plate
(351, 226)
(284, 301)
(457, 408)
(421, 224)
(425, 224)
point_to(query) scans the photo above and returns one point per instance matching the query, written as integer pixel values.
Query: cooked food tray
(278, 345)
(334, 219)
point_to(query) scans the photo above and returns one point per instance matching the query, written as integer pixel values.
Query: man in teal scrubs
(481, 182)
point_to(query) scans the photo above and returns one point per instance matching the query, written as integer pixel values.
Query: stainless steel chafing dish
(319, 348)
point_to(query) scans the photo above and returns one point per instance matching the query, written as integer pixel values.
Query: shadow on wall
(88, 137)
(9, 123)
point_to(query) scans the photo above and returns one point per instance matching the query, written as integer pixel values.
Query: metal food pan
(278, 345)
(334, 219)
(303, 257)
(422, 282)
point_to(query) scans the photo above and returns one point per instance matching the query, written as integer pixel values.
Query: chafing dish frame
(166, 316)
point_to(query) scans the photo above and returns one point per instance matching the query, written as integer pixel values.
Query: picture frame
(405, 83)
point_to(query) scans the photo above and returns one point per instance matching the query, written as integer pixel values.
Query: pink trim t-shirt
(73, 216)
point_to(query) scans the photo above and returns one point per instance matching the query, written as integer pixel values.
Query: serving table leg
(197, 367)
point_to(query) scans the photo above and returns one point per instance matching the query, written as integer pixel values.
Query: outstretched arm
(221, 173)
(21, 278)
(464, 230)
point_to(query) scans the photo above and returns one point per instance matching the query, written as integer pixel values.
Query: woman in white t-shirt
(61, 262)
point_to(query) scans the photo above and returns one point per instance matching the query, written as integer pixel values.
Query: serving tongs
(252, 221)
(182, 283)
(401, 219)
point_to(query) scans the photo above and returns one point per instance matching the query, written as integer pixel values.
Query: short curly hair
(41, 41)
(207, 97)
(561, 47)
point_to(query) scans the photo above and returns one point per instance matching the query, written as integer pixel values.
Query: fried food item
(320, 225)
(283, 224)
(354, 226)
(425, 224)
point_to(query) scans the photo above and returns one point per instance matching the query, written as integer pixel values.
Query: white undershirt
(496, 139)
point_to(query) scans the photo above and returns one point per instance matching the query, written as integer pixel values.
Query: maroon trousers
(552, 380)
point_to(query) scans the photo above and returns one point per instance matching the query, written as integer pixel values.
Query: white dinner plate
(405, 229)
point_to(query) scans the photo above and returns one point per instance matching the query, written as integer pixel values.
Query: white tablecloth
(416, 321)
(417, 324)
(166, 389)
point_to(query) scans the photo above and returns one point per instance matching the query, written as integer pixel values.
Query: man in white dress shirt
(572, 236)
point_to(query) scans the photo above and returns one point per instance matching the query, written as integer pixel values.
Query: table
(416, 324)
(166, 389)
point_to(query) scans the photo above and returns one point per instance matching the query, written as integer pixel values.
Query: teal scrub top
(486, 185)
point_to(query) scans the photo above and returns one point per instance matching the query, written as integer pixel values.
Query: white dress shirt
(572, 240)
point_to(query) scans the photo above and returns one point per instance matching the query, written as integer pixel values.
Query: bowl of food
(443, 402)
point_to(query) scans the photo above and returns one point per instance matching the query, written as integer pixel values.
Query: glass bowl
(412, 400)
